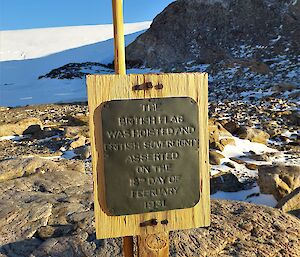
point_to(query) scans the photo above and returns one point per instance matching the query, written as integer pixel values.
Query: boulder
(21, 127)
(15, 168)
(291, 202)
(215, 157)
(231, 126)
(253, 134)
(240, 229)
(191, 30)
(19, 167)
(21, 221)
(278, 180)
(251, 166)
(283, 87)
(226, 182)
(84, 152)
(78, 142)
(75, 131)
(219, 137)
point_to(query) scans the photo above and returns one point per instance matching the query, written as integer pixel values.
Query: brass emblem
(151, 159)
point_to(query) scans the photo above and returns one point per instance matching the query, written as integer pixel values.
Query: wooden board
(102, 88)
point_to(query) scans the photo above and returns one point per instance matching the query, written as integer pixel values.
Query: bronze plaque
(151, 159)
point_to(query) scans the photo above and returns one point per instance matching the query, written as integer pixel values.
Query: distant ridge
(35, 43)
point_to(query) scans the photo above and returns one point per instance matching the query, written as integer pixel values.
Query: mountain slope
(27, 55)
(209, 31)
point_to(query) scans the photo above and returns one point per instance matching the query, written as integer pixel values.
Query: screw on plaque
(152, 222)
(164, 222)
(144, 86)
(159, 86)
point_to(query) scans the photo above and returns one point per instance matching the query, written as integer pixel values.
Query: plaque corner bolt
(152, 222)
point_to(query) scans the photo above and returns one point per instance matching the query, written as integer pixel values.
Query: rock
(219, 137)
(278, 180)
(78, 246)
(19, 167)
(15, 168)
(259, 67)
(240, 229)
(21, 221)
(225, 182)
(237, 160)
(259, 157)
(251, 166)
(290, 202)
(257, 229)
(283, 87)
(231, 126)
(3, 108)
(293, 118)
(215, 158)
(253, 135)
(216, 146)
(227, 141)
(60, 198)
(78, 142)
(177, 35)
(21, 127)
(229, 164)
(55, 231)
(84, 152)
(76, 131)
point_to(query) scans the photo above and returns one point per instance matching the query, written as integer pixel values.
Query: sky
(27, 14)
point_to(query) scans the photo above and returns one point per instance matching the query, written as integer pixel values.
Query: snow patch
(252, 195)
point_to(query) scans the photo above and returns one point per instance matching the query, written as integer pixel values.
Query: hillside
(25, 55)
(248, 47)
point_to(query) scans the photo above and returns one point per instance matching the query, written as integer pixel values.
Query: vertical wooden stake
(120, 68)
(128, 246)
(156, 245)
(119, 41)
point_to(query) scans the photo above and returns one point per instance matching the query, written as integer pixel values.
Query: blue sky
(26, 14)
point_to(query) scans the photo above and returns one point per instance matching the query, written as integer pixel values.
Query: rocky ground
(46, 183)
(253, 65)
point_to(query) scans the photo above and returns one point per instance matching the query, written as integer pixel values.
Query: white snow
(252, 195)
(243, 146)
(69, 154)
(28, 54)
(35, 43)
(240, 149)
(14, 138)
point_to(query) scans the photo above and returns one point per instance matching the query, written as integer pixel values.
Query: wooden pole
(120, 68)
(119, 41)
(156, 245)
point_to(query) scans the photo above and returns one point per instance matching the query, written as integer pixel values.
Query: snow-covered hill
(27, 54)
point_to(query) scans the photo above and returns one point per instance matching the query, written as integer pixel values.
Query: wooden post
(153, 238)
(156, 245)
(120, 68)
(119, 41)
(149, 245)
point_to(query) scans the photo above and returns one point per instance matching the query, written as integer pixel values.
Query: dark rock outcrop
(209, 31)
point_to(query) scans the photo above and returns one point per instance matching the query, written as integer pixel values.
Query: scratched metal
(151, 160)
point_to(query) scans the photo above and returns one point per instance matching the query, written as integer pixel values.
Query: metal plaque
(151, 159)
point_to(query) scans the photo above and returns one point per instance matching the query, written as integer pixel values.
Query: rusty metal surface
(151, 160)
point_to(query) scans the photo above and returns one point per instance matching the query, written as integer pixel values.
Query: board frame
(102, 88)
